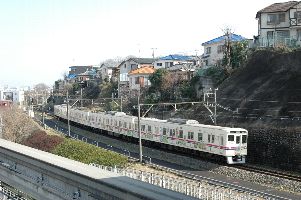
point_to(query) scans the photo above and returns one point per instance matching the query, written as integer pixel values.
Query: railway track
(269, 172)
(190, 175)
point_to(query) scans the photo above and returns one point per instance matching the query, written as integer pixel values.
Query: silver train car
(230, 143)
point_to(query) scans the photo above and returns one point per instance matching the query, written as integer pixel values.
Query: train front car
(236, 145)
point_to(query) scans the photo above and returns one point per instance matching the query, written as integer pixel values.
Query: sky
(41, 39)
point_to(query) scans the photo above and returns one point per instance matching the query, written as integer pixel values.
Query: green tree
(157, 79)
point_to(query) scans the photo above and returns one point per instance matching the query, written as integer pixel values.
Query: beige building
(279, 24)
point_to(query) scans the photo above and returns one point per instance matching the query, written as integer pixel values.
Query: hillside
(267, 89)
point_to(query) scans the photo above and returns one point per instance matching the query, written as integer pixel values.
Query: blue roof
(71, 76)
(175, 57)
(233, 37)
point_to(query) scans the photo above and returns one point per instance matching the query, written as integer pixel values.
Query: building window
(270, 35)
(274, 19)
(220, 49)
(168, 64)
(133, 66)
(208, 50)
(159, 64)
(299, 34)
(136, 80)
(124, 66)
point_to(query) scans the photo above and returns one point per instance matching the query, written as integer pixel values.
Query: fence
(202, 190)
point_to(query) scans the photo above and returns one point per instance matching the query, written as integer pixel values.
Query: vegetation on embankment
(20, 128)
(73, 149)
(88, 153)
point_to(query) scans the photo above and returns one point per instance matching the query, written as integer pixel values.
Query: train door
(221, 144)
(238, 143)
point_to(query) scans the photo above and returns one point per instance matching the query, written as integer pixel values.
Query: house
(106, 71)
(76, 70)
(14, 95)
(214, 49)
(86, 76)
(125, 67)
(139, 78)
(169, 62)
(279, 24)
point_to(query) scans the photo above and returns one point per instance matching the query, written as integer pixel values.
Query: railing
(201, 190)
(277, 42)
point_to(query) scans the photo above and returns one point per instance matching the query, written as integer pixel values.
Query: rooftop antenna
(153, 54)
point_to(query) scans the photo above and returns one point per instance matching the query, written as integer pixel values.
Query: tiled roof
(145, 69)
(175, 57)
(277, 7)
(233, 37)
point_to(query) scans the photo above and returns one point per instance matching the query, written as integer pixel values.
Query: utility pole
(68, 120)
(81, 97)
(215, 106)
(139, 130)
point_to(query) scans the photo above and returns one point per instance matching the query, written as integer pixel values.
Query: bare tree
(227, 53)
(16, 124)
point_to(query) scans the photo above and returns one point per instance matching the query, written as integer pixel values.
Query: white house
(139, 78)
(14, 95)
(214, 49)
(124, 68)
(280, 24)
(106, 71)
(170, 61)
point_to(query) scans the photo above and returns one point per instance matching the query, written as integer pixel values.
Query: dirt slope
(269, 85)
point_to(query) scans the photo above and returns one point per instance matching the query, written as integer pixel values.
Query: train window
(111, 122)
(209, 137)
(136, 127)
(142, 127)
(200, 136)
(157, 130)
(231, 138)
(244, 139)
(180, 134)
(237, 139)
(164, 131)
(124, 125)
(190, 135)
(130, 126)
(149, 128)
(115, 123)
(212, 137)
(120, 123)
(172, 132)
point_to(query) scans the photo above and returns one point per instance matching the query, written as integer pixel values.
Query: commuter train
(229, 143)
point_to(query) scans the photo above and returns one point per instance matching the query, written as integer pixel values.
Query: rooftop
(175, 57)
(146, 69)
(233, 37)
(277, 7)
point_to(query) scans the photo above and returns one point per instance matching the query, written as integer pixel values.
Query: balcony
(277, 42)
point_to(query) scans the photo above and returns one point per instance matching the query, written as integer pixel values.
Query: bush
(40, 140)
(87, 153)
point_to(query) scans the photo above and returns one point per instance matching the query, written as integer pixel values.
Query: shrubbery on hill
(87, 153)
(40, 140)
